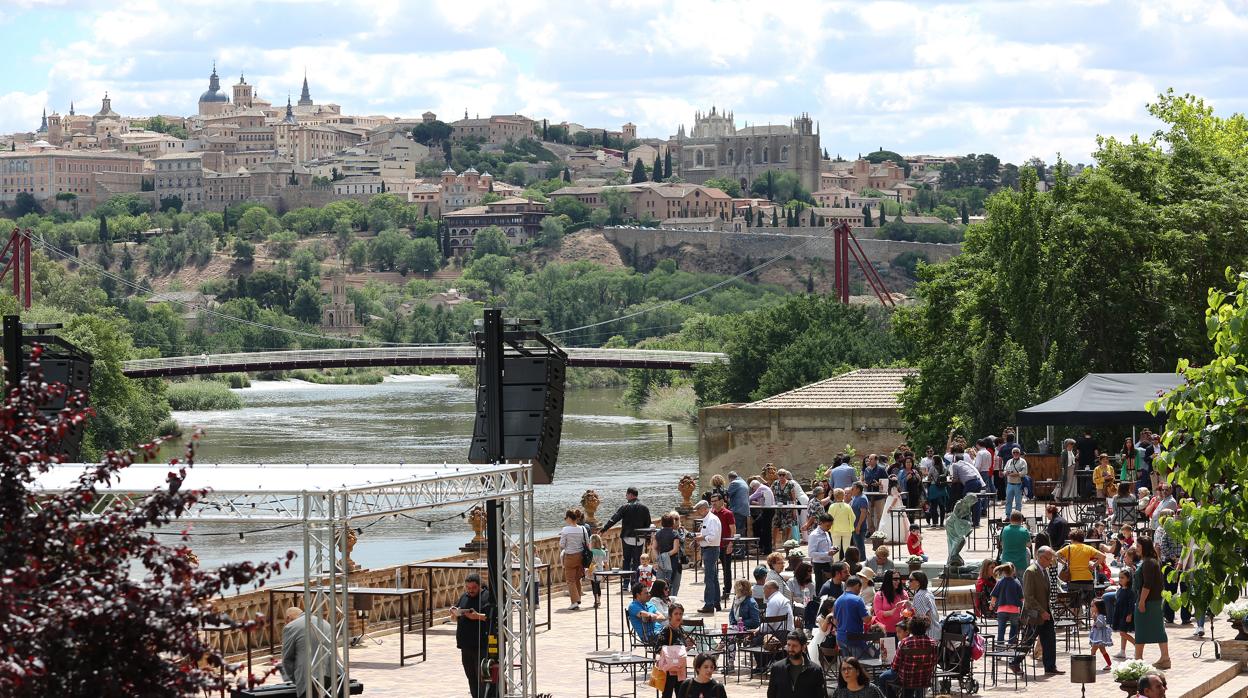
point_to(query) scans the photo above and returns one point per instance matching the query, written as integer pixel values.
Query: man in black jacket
(795, 676)
(632, 516)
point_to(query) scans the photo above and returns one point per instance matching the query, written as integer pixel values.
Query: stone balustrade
(447, 586)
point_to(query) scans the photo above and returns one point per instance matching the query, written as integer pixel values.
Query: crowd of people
(811, 611)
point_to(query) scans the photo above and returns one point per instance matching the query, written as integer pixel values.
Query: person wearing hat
(867, 592)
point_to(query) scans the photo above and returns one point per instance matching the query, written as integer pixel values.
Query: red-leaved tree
(91, 603)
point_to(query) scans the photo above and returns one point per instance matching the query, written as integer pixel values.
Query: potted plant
(915, 563)
(1237, 611)
(1128, 675)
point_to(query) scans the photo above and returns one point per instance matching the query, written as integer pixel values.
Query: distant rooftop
(863, 388)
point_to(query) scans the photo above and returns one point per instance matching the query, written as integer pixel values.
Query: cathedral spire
(71, 108)
(305, 97)
(43, 124)
(290, 113)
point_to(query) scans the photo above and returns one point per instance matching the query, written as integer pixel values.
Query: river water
(426, 419)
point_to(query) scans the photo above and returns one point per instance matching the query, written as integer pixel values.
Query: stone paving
(561, 653)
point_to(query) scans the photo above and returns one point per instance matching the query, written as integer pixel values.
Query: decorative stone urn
(589, 502)
(476, 519)
(1239, 628)
(688, 484)
(352, 539)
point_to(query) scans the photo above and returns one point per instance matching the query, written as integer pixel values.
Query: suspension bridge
(447, 355)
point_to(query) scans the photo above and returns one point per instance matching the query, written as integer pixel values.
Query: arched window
(749, 156)
(731, 155)
(698, 158)
(784, 154)
(765, 154)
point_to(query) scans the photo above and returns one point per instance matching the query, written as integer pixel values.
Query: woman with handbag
(673, 646)
(665, 549)
(573, 549)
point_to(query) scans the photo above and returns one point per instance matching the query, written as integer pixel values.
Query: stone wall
(796, 439)
(447, 585)
(760, 243)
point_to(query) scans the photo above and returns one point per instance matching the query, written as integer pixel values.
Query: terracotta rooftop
(863, 388)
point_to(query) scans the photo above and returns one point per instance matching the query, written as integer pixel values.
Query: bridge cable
(686, 297)
(231, 318)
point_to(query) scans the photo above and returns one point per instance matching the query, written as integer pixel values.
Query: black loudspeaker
(74, 372)
(533, 392)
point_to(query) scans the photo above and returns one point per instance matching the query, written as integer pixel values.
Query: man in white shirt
(777, 605)
(708, 539)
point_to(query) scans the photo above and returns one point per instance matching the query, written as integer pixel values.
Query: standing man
(820, 549)
(964, 473)
(795, 676)
(851, 614)
(762, 496)
(473, 614)
(1087, 450)
(295, 646)
(1036, 610)
(1015, 471)
(983, 464)
(709, 539)
(739, 503)
(728, 529)
(872, 475)
(843, 475)
(635, 516)
(862, 517)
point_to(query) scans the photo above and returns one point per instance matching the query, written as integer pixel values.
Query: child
(645, 571)
(914, 541)
(598, 551)
(1007, 599)
(983, 587)
(1123, 616)
(1101, 637)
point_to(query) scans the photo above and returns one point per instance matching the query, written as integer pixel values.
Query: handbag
(587, 555)
(1063, 574)
(658, 679)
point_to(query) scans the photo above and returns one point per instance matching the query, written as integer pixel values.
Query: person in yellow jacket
(1104, 481)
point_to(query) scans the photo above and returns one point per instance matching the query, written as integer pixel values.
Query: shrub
(202, 395)
(671, 404)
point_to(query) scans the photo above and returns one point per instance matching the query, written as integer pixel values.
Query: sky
(1017, 79)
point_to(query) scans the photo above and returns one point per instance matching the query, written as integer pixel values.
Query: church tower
(43, 125)
(213, 100)
(338, 316)
(243, 94)
(305, 97)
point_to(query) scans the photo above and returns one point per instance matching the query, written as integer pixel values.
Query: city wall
(746, 439)
(760, 243)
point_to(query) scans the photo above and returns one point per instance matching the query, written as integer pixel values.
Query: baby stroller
(956, 652)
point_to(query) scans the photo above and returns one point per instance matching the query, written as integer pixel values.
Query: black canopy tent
(1103, 399)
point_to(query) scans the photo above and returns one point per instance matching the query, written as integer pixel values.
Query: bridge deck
(463, 355)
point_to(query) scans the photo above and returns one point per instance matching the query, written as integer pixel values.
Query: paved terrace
(562, 650)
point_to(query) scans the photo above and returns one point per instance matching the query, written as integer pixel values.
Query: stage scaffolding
(328, 500)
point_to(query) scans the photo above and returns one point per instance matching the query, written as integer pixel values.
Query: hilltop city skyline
(932, 78)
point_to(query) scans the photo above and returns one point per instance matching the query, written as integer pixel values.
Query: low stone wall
(446, 587)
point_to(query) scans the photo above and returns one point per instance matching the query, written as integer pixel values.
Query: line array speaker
(533, 395)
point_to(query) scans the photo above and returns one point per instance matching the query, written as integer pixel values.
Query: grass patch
(234, 380)
(202, 395)
(671, 404)
(340, 376)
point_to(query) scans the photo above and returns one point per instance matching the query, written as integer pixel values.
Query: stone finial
(688, 484)
(589, 502)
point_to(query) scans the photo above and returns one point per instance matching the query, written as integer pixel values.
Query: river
(426, 419)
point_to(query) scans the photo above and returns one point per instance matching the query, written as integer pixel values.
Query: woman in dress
(1069, 486)
(911, 483)
(1150, 625)
(786, 493)
(894, 526)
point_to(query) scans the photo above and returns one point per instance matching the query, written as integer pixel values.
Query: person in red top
(914, 542)
(914, 662)
(728, 521)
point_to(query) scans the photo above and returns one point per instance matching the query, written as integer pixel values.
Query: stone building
(496, 129)
(181, 175)
(715, 148)
(862, 174)
(338, 316)
(47, 171)
(464, 189)
(519, 219)
(805, 427)
(658, 201)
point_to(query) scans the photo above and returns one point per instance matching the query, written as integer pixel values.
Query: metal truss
(327, 514)
(517, 595)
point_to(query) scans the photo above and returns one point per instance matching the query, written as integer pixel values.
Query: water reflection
(427, 419)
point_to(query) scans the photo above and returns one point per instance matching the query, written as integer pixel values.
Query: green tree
(728, 185)
(24, 203)
(866, 216)
(1206, 451)
(490, 241)
(516, 174)
(966, 215)
(667, 165)
(383, 250)
(105, 238)
(617, 205)
(357, 254)
(656, 172)
(282, 244)
(775, 220)
(257, 222)
(244, 251)
(306, 305)
(490, 269)
(551, 232)
(171, 203)
(421, 255)
(431, 133)
(639, 172)
(576, 211)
